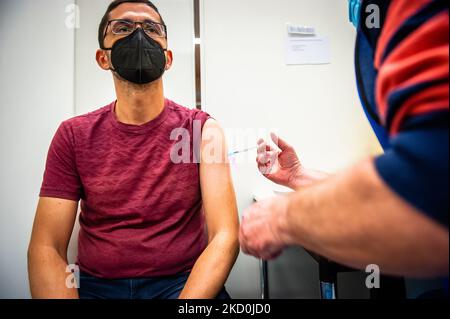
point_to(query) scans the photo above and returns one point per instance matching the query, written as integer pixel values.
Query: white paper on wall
(301, 49)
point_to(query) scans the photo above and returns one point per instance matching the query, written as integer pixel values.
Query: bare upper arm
(53, 224)
(218, 194)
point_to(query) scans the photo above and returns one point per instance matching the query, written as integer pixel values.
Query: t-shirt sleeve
(201, 116)
(199, 119)
(61, 179)
(413, 101)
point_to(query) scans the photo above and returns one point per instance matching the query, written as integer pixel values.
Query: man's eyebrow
(150, 20)
(134, 20)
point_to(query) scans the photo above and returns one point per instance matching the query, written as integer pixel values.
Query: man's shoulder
(185, 112)
(88, 119)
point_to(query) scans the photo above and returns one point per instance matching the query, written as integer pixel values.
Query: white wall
(246, 84)
(36, 83)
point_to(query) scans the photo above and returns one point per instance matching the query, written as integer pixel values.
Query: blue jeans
(145, 288)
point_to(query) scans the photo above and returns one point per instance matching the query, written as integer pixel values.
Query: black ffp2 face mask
(138, 58)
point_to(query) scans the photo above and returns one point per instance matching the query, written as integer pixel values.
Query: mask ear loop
(111, 68)
(102, 46)
(165, 68)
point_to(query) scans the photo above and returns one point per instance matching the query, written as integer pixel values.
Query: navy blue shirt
(402, 70)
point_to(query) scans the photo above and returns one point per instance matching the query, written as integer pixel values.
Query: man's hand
(354, 219)
(283, 166)
(262, 228)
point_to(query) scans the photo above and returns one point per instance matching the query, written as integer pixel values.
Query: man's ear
(169, 59)
(102, 58)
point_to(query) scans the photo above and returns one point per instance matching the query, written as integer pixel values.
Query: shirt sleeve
(199, 119)
(61, 179)
(413, 100)
(202, 116)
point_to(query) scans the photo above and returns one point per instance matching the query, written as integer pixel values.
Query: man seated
(158, 219)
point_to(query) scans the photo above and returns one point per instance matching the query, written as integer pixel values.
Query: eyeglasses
(126, 27)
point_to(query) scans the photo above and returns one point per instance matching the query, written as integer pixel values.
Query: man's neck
(137, 105)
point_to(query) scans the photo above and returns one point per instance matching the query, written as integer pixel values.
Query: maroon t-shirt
(141, 214)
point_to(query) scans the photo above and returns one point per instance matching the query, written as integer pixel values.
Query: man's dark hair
(111, 7)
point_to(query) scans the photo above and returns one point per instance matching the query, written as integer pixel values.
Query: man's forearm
(47, 275)
(355, 219)
(306, 177)
(212, 268)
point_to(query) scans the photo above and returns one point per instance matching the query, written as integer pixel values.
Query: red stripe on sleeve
(420, 58)
(429, 100)
(399, 12)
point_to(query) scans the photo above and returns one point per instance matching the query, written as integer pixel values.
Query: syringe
(242, 151)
